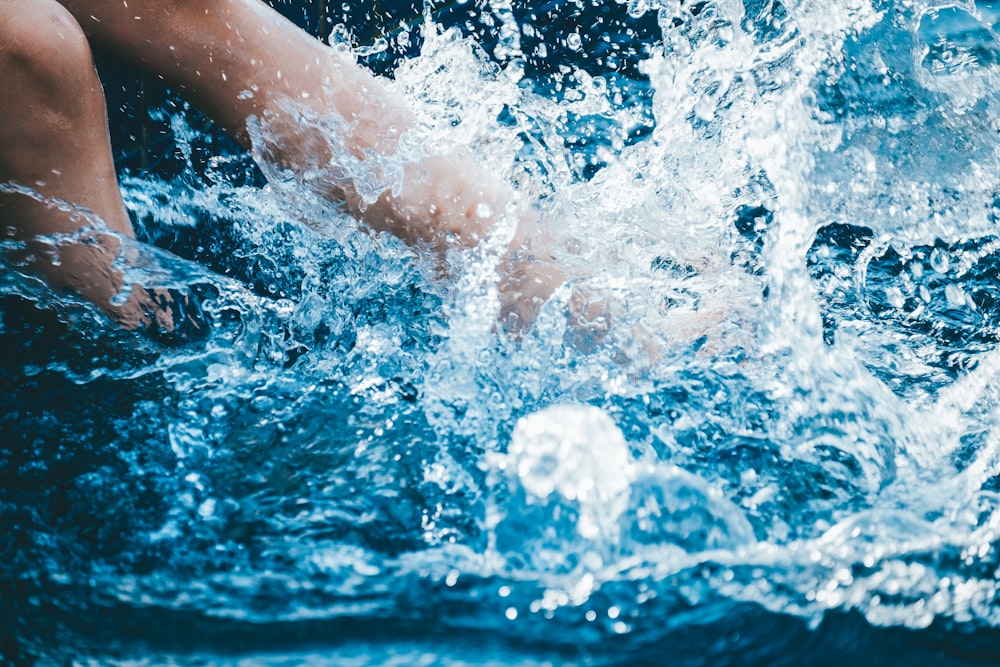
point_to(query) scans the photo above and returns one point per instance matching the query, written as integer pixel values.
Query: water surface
(775, 443)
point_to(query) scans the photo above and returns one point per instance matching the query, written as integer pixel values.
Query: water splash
(783, 215)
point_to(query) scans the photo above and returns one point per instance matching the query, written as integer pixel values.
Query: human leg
(55, 151)
(215, 52)
(238, 58)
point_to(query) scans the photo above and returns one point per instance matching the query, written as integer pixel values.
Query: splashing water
(778, 437)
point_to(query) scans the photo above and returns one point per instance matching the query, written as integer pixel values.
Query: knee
(44, 55)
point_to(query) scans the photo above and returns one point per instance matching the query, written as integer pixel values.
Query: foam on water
(787, 402)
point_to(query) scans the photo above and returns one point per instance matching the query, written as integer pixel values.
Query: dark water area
(780, 447)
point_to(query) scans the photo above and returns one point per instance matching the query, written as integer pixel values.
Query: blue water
(776, 442)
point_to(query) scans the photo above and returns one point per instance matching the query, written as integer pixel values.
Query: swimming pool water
(776, 444)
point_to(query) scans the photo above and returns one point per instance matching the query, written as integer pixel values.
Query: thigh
(52, 103)
(216, 51)
(54, 143)
(41, 36)
(211, 51)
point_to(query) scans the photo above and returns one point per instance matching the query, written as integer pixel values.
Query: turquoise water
(776, 444)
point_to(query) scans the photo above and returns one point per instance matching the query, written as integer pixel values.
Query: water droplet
(705, 108)
(895, 297)
(955, 295)
(636, 8)
(483, 210)
(939, 260)
(206, 509)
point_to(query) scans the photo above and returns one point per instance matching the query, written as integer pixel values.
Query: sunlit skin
(54, 139)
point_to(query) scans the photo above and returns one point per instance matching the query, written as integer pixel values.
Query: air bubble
(939, 260)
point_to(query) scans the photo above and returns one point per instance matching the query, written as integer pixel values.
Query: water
(757, 426)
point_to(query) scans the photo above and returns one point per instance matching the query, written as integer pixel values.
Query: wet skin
(234, 60)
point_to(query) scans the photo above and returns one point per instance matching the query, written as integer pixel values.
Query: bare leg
(215, 51)
(54, 141)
